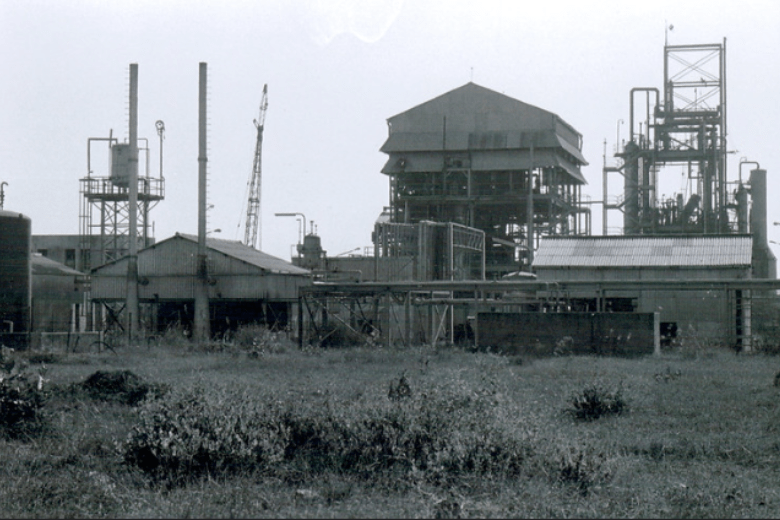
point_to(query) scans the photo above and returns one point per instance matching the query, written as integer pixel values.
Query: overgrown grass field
(259, 428)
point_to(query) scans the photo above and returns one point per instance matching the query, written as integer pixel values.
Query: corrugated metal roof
(485, 123)
(456, 114)
(632, 251)
(238, 250)
(46, 266)
(472, 103)
(573, 150)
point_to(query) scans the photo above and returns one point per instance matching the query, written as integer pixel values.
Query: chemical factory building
(672, 263)
(245, 285)
(482, 159)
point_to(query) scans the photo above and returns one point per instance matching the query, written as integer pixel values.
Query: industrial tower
(104, 211)
(252, 231)
(481, 159)
(678, 141)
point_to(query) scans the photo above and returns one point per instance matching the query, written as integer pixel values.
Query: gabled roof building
(245, 285)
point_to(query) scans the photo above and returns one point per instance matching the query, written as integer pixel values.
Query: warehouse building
(244, 285)
(657, 274)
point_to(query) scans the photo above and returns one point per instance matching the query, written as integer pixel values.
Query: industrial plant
(486, 240)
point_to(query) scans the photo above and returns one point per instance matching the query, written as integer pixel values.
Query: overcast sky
(336, 71)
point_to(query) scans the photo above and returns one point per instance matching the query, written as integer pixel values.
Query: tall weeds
(442, 432)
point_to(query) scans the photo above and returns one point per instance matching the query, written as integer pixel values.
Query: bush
(22, 396)
(439, 433)
(122, 386)
(204, 431)
(259, 340)
(597, 400)
(338, 335)
(583, 466)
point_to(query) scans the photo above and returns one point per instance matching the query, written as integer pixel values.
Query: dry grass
(699, 436)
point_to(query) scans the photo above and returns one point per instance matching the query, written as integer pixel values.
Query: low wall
(545, 334)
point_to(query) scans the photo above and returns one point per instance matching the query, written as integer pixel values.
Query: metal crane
(252, 228)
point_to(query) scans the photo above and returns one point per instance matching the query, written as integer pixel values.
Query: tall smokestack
(202, 330)
(764, 261)
(132, 264)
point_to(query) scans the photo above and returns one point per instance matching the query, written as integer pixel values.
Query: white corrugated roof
(642, 251)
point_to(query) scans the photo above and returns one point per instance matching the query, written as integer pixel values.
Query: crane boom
(252, 228)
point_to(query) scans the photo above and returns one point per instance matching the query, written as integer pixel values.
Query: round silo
(15, 275)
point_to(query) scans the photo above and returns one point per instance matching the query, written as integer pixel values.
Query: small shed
(245, 285)
(673, 262)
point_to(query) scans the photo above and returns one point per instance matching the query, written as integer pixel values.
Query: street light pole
(294, 215)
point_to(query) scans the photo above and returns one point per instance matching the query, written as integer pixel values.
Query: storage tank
(311, 252)
(120, 165)
(15, 278)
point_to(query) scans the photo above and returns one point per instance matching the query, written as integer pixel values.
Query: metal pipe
(631, 102)
(294, 215)
(160, 125)
(744, 160)
(132, 264)
(89, 143)
(530, 207)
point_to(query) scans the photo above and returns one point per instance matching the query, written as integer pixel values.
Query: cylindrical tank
(764, 261)
(631, 190)
(15, 275)
(310, 252)
(743, 212)
(312, 247)
(120, 165)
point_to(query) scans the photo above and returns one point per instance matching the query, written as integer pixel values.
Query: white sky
(336, 70)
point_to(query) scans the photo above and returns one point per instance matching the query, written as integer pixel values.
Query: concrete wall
(621, 334)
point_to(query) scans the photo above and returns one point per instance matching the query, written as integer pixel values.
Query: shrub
(767, 346)
(597, 400)
(22, 396)
(439, 433)
(337, 335)
(122, 386)
(259, 340)
(204, 431)
(401, 390)
(583, 466)
(40, 358)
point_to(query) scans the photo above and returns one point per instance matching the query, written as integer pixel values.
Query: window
(70, 258)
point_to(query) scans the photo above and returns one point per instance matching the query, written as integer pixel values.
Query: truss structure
(104, 211)
(677, 142)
